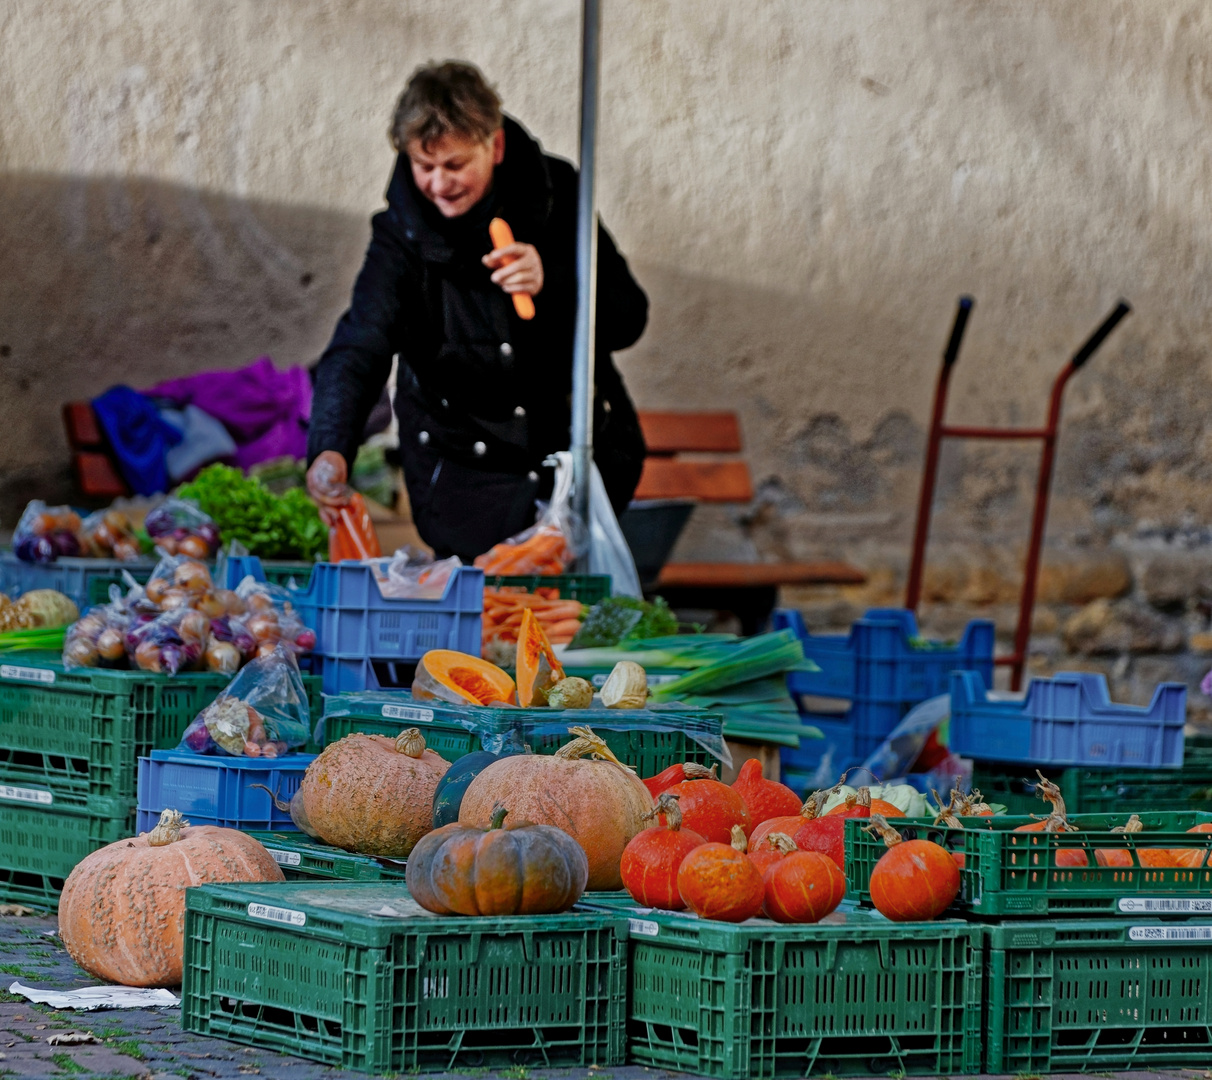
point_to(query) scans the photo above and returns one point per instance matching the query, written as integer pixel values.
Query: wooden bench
(716, 474)
(96, 473)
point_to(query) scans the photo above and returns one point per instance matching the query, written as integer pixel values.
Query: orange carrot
(502, 236)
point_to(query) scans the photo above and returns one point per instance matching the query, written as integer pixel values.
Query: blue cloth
(138, 436)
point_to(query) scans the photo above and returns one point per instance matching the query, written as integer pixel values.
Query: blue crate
(85, 581)
(364, 640)
(1067, 720)
(215, 790)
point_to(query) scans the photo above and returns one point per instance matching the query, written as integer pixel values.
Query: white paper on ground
(99, 997)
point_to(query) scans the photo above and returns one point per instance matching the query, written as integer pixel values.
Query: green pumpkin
(451, 788)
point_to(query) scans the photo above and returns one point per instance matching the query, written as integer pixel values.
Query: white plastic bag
(608, 550)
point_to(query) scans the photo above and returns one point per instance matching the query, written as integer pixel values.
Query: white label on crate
(407, 712)
(27, 674)
(276, 914)
(26, 794)
(1149, 905)
(599, 680)
(1170, 933)
(285, 858)
(644, 927)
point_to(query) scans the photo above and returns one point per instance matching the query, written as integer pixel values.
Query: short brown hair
(452, 98)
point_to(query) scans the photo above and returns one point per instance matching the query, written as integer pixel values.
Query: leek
(50, 638)
(766, 654)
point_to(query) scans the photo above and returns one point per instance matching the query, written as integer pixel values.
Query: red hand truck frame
(1016, 660)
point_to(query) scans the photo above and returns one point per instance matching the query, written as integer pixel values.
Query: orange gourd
(1056, 821)
(1147, 857)
(862, 805)
(711, 808)
(650, 862)
(792, 823)
(461, 679)
(523, 870)
(1191, 858)
(719, 881)
(372, 794)
(675, 774)
(122, 910)
(803, 887)
(764, 799)
(538, 669)
(914, 880)
(773, 848)
(600, 803)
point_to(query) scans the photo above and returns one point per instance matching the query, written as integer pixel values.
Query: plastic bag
(46, 532)
(98, 638)
(262, 713)
(180, 528)
(172, 642)
(608, 550)
(354, 536)
(551, 544)
(272, 618)
(110, 534)
(412, 574)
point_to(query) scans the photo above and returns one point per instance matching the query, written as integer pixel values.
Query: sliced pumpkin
(460, 678)
(538, 669)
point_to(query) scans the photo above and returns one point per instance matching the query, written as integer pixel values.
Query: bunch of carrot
(503, 609)
(544, 551)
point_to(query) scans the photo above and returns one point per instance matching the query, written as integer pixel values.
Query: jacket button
(423, 438)
(506, 349)
(532, 476)
(519, 411)
(445, 404)
(479, 449)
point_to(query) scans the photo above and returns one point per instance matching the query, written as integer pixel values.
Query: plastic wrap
(179, 528)
(45, 532)
(412, 574)
(110, 534)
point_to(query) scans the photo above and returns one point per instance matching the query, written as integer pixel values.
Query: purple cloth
(265, 410)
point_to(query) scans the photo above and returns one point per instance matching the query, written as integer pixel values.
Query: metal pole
(587, 265)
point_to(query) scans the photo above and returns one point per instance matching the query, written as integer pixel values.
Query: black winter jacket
(477, 385)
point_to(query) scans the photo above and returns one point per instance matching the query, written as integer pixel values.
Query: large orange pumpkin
(372, 794)
(122, 911)
(523, 870)
(600, 803)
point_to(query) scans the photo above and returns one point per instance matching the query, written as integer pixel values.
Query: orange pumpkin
(461, 679)
(1148, 857)
(711, 809)
(538, 669)
(600, 803)
(650, 862)
(862, 805)
(1191, 858)
(773, 848)
(719, 881)
(122, 910)
(523, 870)
(803, 887)
(1056, 822)
(791, 823)
(372, 794)
(675, 774)
(914, 880)
(764, 799)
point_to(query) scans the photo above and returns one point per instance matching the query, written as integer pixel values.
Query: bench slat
(698, 432)
(707, 481)
(96, 475)
(80, 423)
(748, 575)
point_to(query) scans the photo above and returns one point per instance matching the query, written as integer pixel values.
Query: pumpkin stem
(1134, 825)
(497, 820)
(879, 827)
(815, 803)
(781, 842)
(946, 814)
(587, 743)
(739, 840)
(977, 805)
(278, 803)
(667, 804)
(1058, 820)
(410, 742)
(862, 798)
(692, 770)
(167, 830)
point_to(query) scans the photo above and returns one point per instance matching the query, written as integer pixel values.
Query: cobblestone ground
(148, 1044)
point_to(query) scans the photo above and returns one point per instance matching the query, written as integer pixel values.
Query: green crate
(357, 975)
(853, 994)
(302, 858)
(1098, 994)
(1009, 873)
(72, 736)
(645, 750)
(40, 845)
(588, 588)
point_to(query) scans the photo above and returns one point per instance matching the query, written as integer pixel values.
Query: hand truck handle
(957, 330)
(1100, 335)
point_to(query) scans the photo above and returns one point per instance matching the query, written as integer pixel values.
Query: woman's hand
(517, 268)
(326, 484)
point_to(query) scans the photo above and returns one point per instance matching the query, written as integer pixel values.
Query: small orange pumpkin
(1148, 857)
(538, 669)
(650, 862)
(711, 808)
(719, 881)
(372, 794)
(803, 887)
(915, 880)
(600, 803)
(773, 848)
(122, 910)
(1189, 858)
(522, 870)
(1056, 822)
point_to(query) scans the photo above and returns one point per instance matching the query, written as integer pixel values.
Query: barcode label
(27, 674)
(276, 914)
(285, 858)
(406, 712)
(644, 927)
(26, 794)
(1193, 905)
(653, 680)
(1170, 933)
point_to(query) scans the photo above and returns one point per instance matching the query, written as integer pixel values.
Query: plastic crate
(1009, 873)
(40, 845)
(70, 736)
(870, 678)
(588, 588)
(328, 972)
(85, 581)
(215, 790)
(1098, 994)
(853, 994)
(1067, 720)
(645, 750)
(302, 858)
